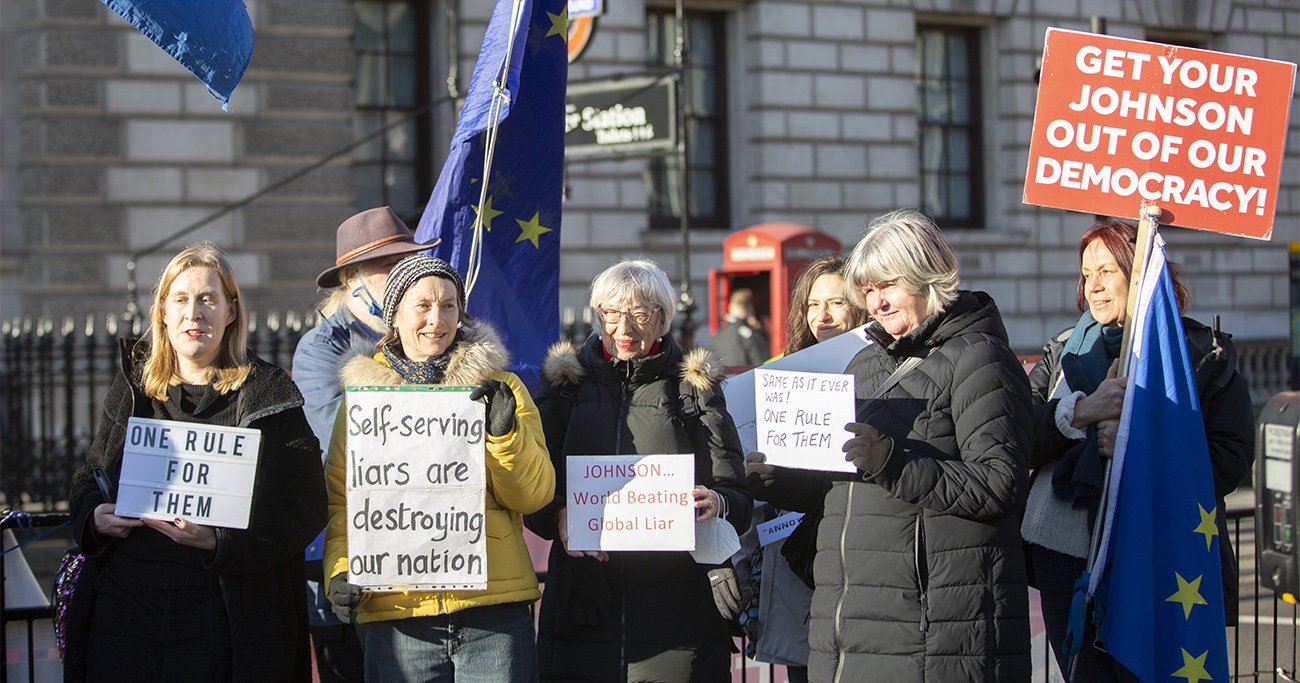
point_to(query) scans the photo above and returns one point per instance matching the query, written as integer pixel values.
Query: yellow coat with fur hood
(521, 480)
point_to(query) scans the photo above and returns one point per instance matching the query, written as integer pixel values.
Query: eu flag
(1159, 595)
(212, 38)
(513, 118)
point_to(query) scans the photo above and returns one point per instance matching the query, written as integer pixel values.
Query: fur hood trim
(478, 356)
(702, 369)
(561, 366)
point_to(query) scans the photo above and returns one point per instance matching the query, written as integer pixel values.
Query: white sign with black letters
(416, 483)
(201, 473)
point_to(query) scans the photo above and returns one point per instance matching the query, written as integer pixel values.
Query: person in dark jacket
(175, 599)
(351, 323)
(635, 616)
(1079, 399)
(742, 342)
(776, 623)
(919, 569)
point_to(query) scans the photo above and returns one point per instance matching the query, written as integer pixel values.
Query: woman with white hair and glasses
(919, 569)
(630, 389)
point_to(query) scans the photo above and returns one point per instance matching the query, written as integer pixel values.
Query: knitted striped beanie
(410, 270)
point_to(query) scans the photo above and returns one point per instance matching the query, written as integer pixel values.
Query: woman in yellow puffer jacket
(451, 634)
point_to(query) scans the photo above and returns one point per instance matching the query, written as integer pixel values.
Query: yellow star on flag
(1207, 525)
(1193, 668)
(559, 25)
(531, 229)
(488, 213)
(1189, 593)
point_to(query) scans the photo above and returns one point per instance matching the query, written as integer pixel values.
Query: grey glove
(343, 597)
(500, 405)
(729, 595)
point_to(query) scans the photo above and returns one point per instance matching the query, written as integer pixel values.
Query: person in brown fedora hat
(367, 246)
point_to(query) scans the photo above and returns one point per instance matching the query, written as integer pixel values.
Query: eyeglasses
(610, 316)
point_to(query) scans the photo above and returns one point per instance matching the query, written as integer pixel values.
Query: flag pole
(1148, 223)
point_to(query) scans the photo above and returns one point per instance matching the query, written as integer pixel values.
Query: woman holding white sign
(176, 599)
(447, 635)
(776, 622)
(919, 569)
(1079, 399)
(636, 615)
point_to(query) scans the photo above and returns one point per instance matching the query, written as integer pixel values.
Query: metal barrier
(1263, 647)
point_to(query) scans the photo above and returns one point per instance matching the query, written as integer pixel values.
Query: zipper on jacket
(922, 572)
(625, 394)
(844, 587)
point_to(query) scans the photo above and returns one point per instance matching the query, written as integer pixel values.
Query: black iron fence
(54, 375)
(1263, 647)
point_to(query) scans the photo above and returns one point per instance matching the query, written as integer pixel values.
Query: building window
(948, 125)
(392, 83)
(706, 122)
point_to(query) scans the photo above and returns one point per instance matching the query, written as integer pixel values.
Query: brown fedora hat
(369, 235)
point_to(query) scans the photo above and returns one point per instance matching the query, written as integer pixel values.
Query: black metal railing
(1263, 646)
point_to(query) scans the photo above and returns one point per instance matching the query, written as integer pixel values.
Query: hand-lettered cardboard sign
(197, 472)
(801, 418)
(832, 355)
(1121, 122)
(416, 480)
(631, 502)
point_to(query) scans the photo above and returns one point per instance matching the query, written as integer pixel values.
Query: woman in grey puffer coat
(919, 570)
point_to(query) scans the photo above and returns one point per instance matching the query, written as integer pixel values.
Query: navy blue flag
(211, 38)
(1159, 593)
(500, 227)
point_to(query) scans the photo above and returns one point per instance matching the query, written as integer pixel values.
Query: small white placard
(416, 480)
(773, 530)
(801, 418)
(631, 502)
(201, 473)
(1277, 441)
(832, 355)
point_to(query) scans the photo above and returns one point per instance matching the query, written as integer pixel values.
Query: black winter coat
(1225, 408)
(920, 573)
(259, 569)
(641, 616)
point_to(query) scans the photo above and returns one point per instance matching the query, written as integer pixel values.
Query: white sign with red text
(631, 502)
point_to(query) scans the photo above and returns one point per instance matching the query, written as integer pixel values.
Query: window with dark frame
(706, 122)
(949, 125)
(391, 44)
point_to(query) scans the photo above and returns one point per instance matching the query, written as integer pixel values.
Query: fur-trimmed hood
(700, 368)
(478, 355)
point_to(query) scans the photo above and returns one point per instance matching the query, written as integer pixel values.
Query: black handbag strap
(902, 369)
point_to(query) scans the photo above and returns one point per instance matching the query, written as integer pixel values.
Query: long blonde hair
(232, 367)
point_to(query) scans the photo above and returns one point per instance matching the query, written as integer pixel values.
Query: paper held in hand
(200, 473)
(631, 502)
(801, 418)
(416, 479)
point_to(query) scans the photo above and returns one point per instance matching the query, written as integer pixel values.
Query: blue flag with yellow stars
(513, 118)
(212, 38)
(1159, 597)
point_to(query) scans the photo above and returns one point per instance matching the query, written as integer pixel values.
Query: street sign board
(620, 116)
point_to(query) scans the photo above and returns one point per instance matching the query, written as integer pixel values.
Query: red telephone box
(766, 258)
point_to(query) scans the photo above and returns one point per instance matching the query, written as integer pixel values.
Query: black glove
(785, 487)
(729, 595)
(500, 405)
(871, 452)
(583, 590)
(343, 597)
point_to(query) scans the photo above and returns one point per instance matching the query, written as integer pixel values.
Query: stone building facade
(816, 112)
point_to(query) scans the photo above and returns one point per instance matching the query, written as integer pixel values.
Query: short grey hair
(639, 281)
(905, 247)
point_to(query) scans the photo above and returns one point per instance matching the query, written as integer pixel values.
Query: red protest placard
(1201, 134)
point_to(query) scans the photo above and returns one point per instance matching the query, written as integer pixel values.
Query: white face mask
(363, 292)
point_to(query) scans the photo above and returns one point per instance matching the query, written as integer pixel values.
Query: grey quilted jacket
(920, 574)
